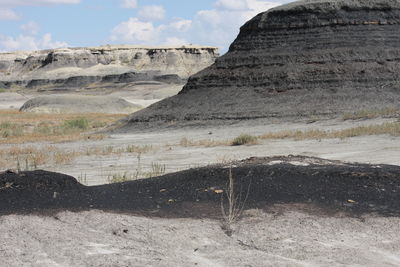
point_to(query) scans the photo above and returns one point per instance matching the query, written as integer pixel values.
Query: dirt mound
(307, 58)
(197, 192)
(79, 104)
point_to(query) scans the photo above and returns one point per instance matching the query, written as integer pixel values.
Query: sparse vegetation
(371, 114)
(244, 139)
(46, 155)
(119, 177)
(80, 123)
(20, 127)
(82, 179)
(2, 90)
(185, 142)
(235, 204)
(156, 169)
(392, 129)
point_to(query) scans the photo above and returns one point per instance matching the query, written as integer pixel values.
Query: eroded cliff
(74, 67)
(306, 58)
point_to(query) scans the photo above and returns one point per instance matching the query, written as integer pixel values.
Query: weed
(157, 169)
(371, 114)
(244, 139)
(82, 179)
(185, 142)
(81, 124)
(22, 127)
(392, 128)
(119, 178)
(235, 206)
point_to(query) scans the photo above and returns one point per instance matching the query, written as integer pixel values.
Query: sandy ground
(139, 94)
(166, 149)
(285, 236)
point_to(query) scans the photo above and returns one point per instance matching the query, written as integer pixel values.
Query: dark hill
(331, 185)
(305, 58)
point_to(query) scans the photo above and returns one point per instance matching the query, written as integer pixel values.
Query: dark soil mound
(332, 185)
(306, 58)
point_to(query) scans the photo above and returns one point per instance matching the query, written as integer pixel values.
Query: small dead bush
(244, 139)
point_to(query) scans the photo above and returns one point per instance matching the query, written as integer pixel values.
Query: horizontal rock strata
(79, 104)
(304, 58)
(77, 67)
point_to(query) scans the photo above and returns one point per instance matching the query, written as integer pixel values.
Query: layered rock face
(319, 57)
(75, 67)
(81, 103)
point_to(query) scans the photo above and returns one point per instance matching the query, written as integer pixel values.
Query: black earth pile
(334, 186)
(306, 58)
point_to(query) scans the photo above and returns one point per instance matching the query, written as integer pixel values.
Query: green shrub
(8, 129)
(244, 139)
(81, 124)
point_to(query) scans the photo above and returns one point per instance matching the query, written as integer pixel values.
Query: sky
(43, 24)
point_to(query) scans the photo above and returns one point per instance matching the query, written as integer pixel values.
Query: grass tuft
(81, 124)
(244, 139)
(371, 114)
(22, 127)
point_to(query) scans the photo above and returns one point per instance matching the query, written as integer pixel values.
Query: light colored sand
(167, 150)
(293, 238)
(12, 100)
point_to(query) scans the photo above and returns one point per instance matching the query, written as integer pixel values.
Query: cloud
(135, 30)
(129, 3)
(8, 14)
(13, 3)
(217, 26)
(152, 13)
(27, 42)
(231, 5)
(175, 41)
(31, 28)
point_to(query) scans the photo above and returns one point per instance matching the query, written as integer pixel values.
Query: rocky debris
(79, 104)
(260, 182)
(306, 58)
(79, 67)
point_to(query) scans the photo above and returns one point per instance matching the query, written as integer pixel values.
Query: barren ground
(285, 235)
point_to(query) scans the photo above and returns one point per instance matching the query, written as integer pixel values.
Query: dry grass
(232, 212)
(33, 157)
(244, 139)
(371, 114)
(20, 127)
(185, 142)
(392, 129)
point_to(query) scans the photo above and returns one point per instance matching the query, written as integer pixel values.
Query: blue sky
(42, 24)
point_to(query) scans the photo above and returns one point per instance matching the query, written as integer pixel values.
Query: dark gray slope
(304, 58)
(332, 185)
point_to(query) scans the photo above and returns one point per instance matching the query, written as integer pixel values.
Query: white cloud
(12, 3)
(135, 30)
(231, 5)
(175, 41)
(217, 27)
(31, 28)
(129, 3)
(27, 42)
(8, 14)
(152, 13)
